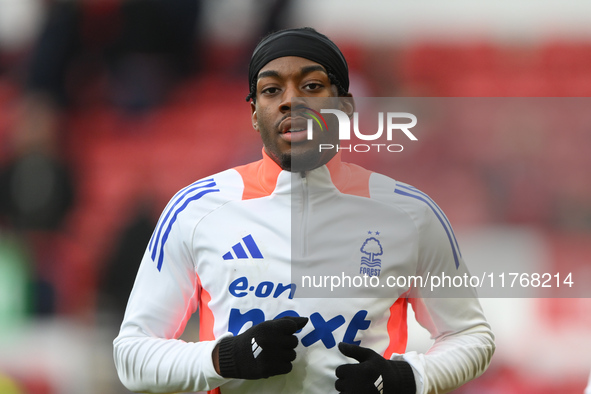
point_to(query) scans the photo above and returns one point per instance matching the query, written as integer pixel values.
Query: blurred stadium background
(108, 107)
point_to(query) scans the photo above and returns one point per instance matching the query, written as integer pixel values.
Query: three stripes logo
(243, 248)
(379, 383)
(256, 349)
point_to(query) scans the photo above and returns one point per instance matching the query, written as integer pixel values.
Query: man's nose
(290, 92)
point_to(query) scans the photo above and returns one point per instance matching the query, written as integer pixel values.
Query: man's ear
(347, 104)
(253, 116)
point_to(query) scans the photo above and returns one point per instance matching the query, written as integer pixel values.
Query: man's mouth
(293, 129)
(292, 125)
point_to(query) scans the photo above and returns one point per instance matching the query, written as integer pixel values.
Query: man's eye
(313, 86)
(270, 90)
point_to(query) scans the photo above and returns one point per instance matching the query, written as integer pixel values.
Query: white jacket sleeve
(464, 342)
(456, 357)
(148, 355)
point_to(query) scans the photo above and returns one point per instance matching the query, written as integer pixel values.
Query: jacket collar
(347, 178)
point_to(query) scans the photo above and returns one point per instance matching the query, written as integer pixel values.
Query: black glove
(373, 373)
(264, 350)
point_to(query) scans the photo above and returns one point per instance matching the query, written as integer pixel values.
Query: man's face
(284, 133)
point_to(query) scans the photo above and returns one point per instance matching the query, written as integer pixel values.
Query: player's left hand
(373, 373)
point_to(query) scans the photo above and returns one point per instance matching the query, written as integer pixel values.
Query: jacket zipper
(303, 229)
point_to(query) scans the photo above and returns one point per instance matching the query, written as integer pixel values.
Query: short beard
(307, 160)
(284, 161)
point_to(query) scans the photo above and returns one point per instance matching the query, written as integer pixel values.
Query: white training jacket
(226, 245)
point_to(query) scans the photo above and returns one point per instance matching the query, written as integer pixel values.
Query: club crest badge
(371, 264)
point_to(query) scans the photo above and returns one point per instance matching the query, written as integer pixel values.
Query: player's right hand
(264, 350)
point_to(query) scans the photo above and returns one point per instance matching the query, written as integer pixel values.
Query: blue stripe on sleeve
(433, 204)
(169, 215)
(173, 219)
(437, 211)
(173, 202)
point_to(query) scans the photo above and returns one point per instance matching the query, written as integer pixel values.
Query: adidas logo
(238, 251)
(379, 383)
(256, 349)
